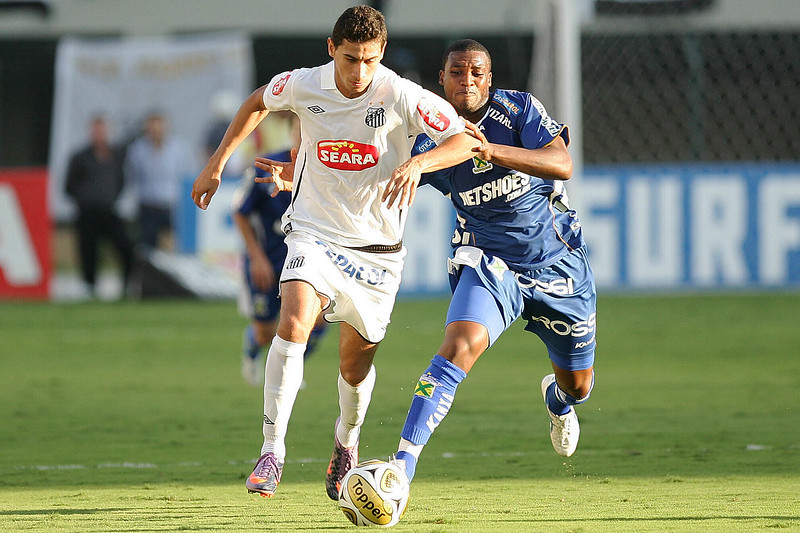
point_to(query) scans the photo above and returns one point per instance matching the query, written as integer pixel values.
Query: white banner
(125, 79)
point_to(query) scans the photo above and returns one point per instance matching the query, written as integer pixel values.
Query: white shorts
(361, 286)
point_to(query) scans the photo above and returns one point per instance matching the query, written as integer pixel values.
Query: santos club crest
(376, 117)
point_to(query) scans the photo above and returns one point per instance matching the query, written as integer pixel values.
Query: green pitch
(133, 417)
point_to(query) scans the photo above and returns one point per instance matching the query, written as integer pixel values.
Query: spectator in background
(157, 162)
(95, 178)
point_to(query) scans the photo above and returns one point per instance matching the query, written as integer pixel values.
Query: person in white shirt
(352, 185)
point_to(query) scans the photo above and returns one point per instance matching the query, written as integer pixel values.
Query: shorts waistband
(378, 248)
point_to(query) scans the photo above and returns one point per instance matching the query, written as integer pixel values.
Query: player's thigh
(485, 293)
(300, 306)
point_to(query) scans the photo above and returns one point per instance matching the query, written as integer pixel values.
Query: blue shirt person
(518, 251)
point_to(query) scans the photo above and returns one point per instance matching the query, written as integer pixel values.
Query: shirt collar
(327, 77)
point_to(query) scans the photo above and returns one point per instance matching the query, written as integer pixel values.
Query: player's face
(466, 79)
(355, 64)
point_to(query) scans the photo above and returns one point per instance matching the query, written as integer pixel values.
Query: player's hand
(280, 173)
(261, 272)
(403, 184)
(204, 187)
(484, 151)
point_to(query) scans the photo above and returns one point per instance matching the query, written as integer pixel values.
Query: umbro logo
(316, 109)
(295, 262)
(268, 421)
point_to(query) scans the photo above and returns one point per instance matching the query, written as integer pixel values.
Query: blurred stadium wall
(685, 124)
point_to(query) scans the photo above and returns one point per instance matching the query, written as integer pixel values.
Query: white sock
(409, 447)
(353, 404)
(283, 375)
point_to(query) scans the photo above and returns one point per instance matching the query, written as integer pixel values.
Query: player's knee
(463, 344)
(294, 328)
(579, 390)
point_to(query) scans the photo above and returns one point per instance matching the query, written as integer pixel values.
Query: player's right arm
(261, 271)
(249, 115)
(551, 161)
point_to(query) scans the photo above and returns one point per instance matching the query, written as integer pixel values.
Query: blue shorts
(559, 302)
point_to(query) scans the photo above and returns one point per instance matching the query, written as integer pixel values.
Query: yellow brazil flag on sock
(425, 387)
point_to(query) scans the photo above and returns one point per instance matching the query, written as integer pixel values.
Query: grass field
(132, 416)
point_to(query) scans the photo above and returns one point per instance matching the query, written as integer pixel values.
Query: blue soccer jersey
(509, 214)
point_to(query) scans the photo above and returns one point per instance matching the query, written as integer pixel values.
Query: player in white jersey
(352, 185)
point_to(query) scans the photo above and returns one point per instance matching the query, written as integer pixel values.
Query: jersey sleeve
(430, 114)
(537, 129)
(437, 179)
(278, 93)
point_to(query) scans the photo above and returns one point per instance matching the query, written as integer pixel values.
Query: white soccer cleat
(564, 429)
(252, 371)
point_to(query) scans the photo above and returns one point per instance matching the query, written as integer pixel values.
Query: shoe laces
(268, 466)
(343, 460)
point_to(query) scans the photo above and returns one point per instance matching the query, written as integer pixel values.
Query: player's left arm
(450, 152)
(551, 161)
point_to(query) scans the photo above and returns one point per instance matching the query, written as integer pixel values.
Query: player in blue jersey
(518, 251)
(257, 214)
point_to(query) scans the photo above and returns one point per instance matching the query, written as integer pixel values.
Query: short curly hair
(360, 24)
(465, 45)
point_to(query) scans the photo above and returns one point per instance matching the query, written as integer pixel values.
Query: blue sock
(433, 397)
(556, 406)
(559, 401)
(249, 345)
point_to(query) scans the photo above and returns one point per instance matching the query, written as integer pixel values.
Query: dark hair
(359, 24)
(465, 45)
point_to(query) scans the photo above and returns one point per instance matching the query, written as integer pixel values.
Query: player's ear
(489, 78)
(331, 47)
(441, 78)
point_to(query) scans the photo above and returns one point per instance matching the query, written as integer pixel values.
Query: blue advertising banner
(693, 226)
(648, 227)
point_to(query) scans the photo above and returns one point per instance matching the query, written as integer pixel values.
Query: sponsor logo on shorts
(432, 116)
(376, 117)
(369, 275)
(347, 155)
(558, 286)
(575, 329)
(280, 84)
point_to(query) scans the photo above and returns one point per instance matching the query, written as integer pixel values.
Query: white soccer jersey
(351, 146)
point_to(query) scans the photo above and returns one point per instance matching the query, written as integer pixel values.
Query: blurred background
(684, 117)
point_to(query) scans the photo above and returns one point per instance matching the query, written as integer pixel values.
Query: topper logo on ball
(366, 499)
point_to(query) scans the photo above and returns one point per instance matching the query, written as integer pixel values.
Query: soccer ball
(374, 493)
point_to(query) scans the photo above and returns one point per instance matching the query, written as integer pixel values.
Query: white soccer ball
(374, 493)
